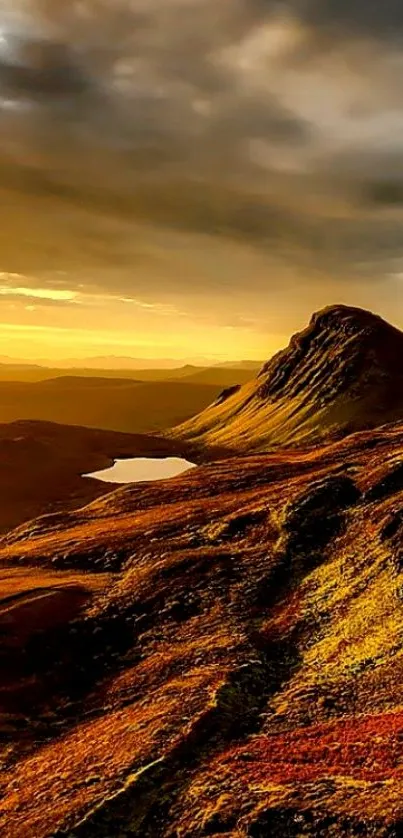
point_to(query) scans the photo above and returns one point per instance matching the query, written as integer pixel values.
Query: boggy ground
(221, 656)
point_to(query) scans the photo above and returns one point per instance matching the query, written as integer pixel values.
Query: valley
(131, 401)
(42, 465)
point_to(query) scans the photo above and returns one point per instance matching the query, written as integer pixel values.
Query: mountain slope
(223, 656)
(343, 373)
(222, 376)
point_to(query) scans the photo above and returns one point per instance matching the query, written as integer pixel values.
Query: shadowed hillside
(220, 657)
(108, 403)
(343, 373)
(117, 404)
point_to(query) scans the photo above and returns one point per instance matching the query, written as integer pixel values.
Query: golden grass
(257, 673)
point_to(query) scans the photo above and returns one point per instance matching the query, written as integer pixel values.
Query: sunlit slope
(222, 376)
(342, 374)
(229, 659)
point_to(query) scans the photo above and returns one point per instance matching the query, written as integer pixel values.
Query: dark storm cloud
(154, 64)
(157, 66)
(349, 18)
(39, 68)
(187, 114)
(377, 18)
(384, 192)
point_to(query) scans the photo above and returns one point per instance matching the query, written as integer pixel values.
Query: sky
(191, 178)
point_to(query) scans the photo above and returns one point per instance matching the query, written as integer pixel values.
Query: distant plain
(130, 401)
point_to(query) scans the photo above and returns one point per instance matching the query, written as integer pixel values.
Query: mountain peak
(338, 345)
(340, 321)
(340, 315)
(340, 374)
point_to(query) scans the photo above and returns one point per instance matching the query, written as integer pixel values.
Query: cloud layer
(138, 133)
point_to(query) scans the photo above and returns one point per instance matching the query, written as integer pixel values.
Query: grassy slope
(244, 424)
(221, 377)
(235, 665)
(341, 374)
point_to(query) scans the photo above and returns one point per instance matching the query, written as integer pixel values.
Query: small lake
(142, 469)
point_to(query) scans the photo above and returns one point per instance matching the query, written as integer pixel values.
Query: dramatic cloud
(185, 149)
(351, 17)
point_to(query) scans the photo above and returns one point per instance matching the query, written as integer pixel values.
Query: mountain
(240, 365)
(221, 376)
(222, 656)
(210, 375)
(122, 362)
(10, 363)
(26, 372)
(343, 373)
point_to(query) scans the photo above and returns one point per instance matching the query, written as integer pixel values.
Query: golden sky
(188, 179)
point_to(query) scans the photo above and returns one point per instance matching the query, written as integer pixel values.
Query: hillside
(249, 365)
(342, 374)
(222, 376)
(114, 404)
(220, 657)
(41, 465)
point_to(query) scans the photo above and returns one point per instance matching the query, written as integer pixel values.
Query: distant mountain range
(115, 362)
(16, 364)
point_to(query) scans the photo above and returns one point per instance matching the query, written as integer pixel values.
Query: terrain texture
(220, 654)
(42, 463)
(342, 374)
(220, 657)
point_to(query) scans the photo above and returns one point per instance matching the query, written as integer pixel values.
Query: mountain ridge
(341, 374)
